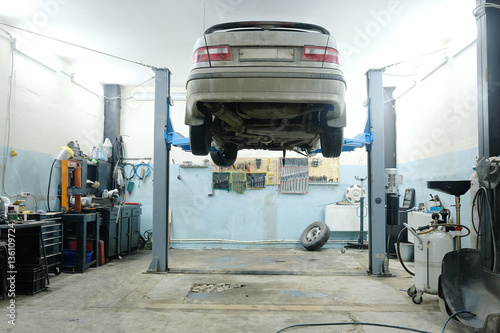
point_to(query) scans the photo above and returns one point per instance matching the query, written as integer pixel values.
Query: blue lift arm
(173, 138)
(361, 140)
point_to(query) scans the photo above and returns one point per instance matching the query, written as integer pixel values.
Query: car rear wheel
(200, 139)
(331, 139)
(226, 157)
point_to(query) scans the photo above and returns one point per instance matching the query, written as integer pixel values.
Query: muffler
(222, 112)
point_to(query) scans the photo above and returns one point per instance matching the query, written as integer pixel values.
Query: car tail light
(211, 53)
(320, 54)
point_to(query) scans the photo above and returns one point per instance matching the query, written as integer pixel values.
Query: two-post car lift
(376, 145)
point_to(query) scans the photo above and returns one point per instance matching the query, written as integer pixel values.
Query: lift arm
(361, 140)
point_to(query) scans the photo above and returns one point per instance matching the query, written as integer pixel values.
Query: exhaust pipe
(222, 112)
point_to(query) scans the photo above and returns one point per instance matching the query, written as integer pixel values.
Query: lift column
(381, 155)
(159, 262)
(488, 103)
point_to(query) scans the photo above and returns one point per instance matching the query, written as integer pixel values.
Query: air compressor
(431, 243)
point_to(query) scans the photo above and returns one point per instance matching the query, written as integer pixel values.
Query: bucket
(406, 251)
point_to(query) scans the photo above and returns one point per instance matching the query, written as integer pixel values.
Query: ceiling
(371, 33)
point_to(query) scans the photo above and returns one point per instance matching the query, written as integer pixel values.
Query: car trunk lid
(268, 44)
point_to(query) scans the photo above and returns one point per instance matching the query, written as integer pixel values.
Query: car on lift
(265, 85)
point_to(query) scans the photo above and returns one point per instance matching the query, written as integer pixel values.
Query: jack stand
(361, 245)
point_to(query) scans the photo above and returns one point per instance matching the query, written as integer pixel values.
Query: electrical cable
(208, 51)
(483, 201)
(494, 218)
(476, 10)
(118, 149)
(48, 187)
(10, 38)
(414, 58)
(132, 171)
(388, 242)
(148, 234)
(434, 226)
(79, 46)
(130, 97)
(478, 229)
(491, 214)
(326, 50)
(118, 153)
(402, 75)
(398, 242)
(119, 177)
(36, 202)
(136, 167)
(493, 240)
(454, 315)
(353, 323)
(17, 174)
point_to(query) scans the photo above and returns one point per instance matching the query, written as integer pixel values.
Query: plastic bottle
(106, 147)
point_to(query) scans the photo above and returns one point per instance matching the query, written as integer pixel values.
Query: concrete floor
(258, 291)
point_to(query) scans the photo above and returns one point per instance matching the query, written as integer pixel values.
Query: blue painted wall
(453, 166)
(202, 217)
(29, 172)
(258, 218)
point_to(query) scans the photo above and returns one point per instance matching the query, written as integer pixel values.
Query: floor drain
(213, 287)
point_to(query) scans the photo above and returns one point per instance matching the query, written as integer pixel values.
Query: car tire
(226, 157)
(315, 236)
(331, 140)
(200, 139)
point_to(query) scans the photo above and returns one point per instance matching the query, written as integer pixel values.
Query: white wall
(437, 130)
(439, 115)
(47, 111)
(136, 126)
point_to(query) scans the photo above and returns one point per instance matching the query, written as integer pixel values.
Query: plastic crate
(69, 258)
(30, 280)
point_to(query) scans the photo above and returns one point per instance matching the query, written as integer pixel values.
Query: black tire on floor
(315, 236)
(200, 139)
(331, 140)
(225, 158)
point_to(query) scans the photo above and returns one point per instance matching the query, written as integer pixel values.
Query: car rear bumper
(267, 75)
(285, 86)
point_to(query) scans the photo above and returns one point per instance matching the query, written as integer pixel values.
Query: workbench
(120, 228)
(82, 227)
(38, 244)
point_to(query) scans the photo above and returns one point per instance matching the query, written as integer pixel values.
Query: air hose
(431, 228)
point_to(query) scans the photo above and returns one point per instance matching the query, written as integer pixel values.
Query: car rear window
(265, 25)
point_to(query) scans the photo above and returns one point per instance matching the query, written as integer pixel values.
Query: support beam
(161, 162)
(380, 153)
(112, 111)
(488, 103)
